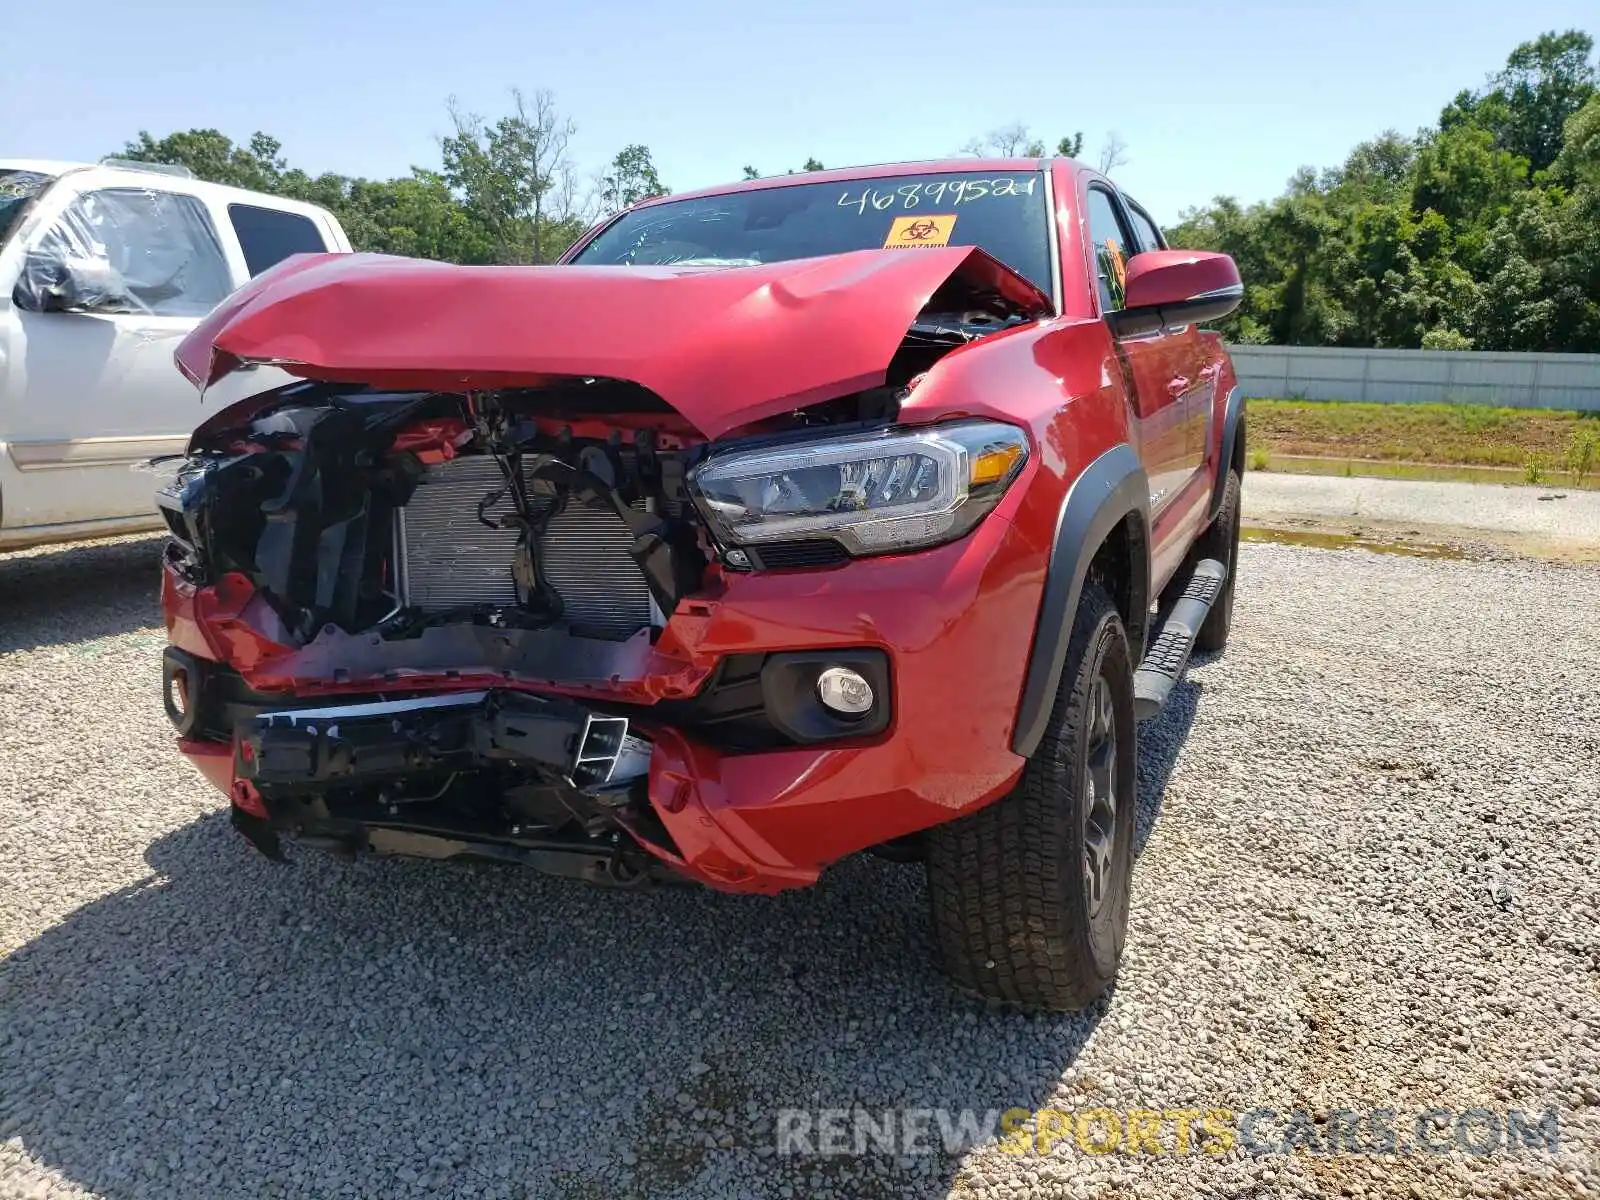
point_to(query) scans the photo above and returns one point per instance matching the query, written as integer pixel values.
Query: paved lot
(1369, 874)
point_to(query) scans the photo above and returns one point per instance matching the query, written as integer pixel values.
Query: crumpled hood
(723, 347)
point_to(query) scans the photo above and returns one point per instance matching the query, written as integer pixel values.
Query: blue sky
(1209, 97)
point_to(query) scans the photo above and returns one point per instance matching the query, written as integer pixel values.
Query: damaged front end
(434, 570)
(472, 620)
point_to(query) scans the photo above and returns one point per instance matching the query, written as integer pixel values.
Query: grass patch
(1370, 468)
(1443, 434)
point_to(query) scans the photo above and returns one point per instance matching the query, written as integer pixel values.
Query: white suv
(103, 268)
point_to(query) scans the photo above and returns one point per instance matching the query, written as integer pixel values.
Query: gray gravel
(1369, 876)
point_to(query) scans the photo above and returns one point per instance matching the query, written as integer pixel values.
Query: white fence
(1570, 381)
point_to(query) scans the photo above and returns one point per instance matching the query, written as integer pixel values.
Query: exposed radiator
(450, 559)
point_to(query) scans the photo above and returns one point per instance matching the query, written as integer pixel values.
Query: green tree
(213, 157)
(1544, 82)
(1482, 231)
(1446, 339)
(1459, 173)
(417, 217)
(811, 164)
(631, 178)
(515, 176)
(1579, 160)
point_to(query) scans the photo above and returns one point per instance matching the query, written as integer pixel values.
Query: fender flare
(1109, 490)
(1232, 423)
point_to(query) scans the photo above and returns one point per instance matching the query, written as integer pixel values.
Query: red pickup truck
(862, 510)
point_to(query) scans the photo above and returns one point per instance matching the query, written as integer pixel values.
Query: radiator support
(448, 559)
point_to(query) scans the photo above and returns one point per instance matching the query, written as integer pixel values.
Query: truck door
(112, 278)
(1203, 356)
(1166, 373)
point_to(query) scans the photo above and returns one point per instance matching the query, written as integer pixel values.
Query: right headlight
(874, 493)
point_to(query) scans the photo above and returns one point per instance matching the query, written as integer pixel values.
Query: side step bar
(1169, 652)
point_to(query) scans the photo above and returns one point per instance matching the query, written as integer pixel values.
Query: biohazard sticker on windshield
(932, 229)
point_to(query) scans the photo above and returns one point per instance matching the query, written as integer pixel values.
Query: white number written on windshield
(935, 192)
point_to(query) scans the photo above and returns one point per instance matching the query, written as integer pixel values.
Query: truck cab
(104, 267)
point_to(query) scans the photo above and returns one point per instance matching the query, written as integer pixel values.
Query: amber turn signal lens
(994, 465)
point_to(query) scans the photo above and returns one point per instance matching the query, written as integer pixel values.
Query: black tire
(1016, 912)
(1221, 542)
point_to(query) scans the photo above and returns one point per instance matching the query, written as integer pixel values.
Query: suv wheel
(1221, 542)
(1030, 893)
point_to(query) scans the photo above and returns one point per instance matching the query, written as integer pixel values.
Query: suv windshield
(1003, 212)
(16, 189)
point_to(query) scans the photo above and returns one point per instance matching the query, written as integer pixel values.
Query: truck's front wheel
(1030, 894)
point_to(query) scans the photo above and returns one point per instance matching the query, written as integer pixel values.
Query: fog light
(844, 691)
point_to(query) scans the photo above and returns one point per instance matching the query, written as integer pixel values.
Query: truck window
(1149, 235)
(17, 190)
(151, 252)
(270, 235)
(1112, 248)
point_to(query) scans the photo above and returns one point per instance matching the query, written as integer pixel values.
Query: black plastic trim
(223, 699)
(728, 712)
(797, 555)
(180, 665)
(1196, 310)
(1109, 489)
(1233, 418)
(1169, 653)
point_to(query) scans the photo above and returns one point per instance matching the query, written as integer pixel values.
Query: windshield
(1003, 212)
(16, 189)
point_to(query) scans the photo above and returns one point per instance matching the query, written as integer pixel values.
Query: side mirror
(52, 283)
(1164, 288)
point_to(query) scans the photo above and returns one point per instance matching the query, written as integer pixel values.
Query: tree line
(506, 190)
(1481, 231)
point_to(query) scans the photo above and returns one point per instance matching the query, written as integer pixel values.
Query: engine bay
(365, 510)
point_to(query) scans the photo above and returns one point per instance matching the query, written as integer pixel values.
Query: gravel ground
(1367, 877)
(1555, 513)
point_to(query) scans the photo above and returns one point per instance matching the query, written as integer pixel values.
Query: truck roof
(124, 173)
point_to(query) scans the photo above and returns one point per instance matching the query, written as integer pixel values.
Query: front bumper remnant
(725, 788)
(314, 749)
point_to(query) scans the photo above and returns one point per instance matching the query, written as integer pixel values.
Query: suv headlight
(874, 493)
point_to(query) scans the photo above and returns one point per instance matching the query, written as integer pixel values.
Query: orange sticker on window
(913, 231)
(1119, 265)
